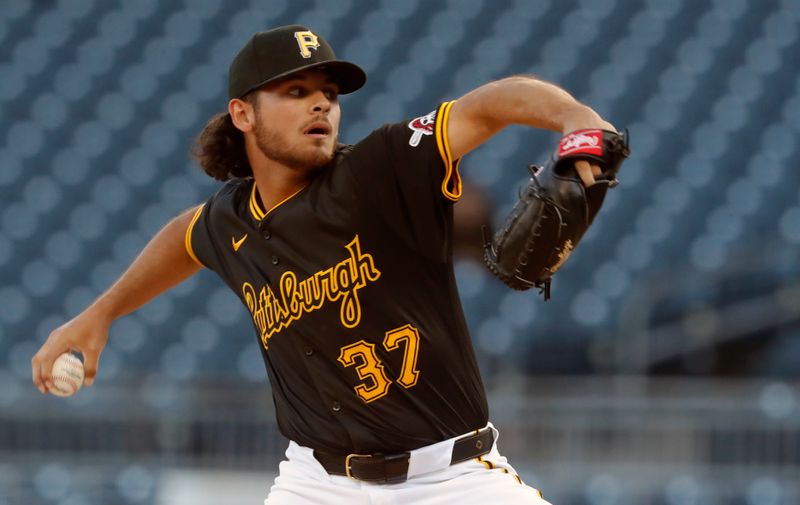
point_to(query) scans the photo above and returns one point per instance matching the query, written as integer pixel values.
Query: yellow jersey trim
(284, 201)
(255, 208)
(188, 236)
(451, 184)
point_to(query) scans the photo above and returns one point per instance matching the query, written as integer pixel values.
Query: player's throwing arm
(162, 264)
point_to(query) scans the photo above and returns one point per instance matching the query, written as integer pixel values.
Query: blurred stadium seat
(104, 141)
(100, 102)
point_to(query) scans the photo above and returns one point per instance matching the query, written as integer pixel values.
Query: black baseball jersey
(350, 286)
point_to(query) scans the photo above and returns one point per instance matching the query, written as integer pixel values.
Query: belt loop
(397, 467)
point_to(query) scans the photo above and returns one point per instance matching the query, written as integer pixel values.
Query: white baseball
(67, 375)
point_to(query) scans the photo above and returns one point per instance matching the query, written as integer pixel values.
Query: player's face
(297, 120)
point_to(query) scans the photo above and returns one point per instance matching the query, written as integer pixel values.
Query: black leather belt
(393, 468)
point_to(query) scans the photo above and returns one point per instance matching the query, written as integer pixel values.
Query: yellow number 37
(370, 369)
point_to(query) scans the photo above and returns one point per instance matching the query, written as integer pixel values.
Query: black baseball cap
(282, 51)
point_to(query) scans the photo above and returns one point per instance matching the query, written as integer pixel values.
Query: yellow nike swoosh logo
(238, 243)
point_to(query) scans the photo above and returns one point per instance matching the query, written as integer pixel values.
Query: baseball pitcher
(342, 258)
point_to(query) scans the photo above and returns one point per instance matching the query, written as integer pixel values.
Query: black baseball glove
(554, 210)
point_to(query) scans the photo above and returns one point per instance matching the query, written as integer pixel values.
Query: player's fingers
(585, 172)
(90, 360)
(41, 368)
(597, 171)
(47, 371)
(47, 374)
(36, 373)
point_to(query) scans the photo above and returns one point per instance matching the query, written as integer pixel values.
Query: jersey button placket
(275, 260)
(266, 234)
(336, 406)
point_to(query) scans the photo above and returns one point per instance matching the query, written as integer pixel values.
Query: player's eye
(296, 91)
(331, 94)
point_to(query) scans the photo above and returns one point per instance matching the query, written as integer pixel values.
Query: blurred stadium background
(663, 371)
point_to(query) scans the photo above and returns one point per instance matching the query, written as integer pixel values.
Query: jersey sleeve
(451, 182)
(443, 168)
(202, 234)
(407, 173)
(420, 148)
(196, 235)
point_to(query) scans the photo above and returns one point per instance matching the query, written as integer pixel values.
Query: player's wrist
(582, 117)
(103, 311)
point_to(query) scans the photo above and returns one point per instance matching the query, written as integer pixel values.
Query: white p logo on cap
(307, 41)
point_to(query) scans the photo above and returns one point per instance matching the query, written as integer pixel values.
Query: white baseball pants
(489, 479)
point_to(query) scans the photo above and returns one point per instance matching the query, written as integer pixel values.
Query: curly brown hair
(219, 149)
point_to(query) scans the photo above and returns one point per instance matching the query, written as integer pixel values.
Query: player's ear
(242, 114)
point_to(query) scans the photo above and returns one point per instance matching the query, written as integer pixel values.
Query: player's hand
(86, 333)
(587, 172)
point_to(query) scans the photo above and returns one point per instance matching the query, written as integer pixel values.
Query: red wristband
(581, 142)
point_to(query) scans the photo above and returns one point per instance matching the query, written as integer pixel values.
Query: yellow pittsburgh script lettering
(272, 312)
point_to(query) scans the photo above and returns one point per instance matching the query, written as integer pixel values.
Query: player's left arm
(525, 100)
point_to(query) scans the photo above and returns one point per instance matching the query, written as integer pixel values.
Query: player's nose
(320, 103)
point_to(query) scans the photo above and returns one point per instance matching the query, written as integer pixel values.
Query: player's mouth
(318, 129)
